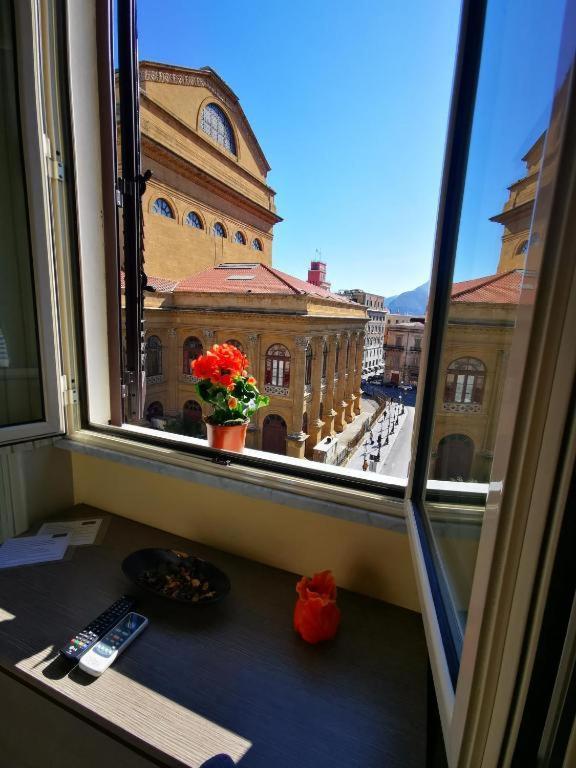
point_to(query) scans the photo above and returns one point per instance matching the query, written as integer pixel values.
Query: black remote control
(81, 642)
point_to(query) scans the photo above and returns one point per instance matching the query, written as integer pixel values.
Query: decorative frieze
(189, 378)
(462, 407)
(270, 389)
(302, 342)
(154, 379)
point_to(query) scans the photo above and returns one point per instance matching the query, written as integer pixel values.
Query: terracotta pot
(227, 438)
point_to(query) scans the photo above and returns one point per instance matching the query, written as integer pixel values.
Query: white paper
(33, 549)
(80, 531)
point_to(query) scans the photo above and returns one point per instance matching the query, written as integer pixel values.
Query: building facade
(207, 201)
(481, 322)
(403, 345)
(304, 348)
(373, 357)
(208, 217)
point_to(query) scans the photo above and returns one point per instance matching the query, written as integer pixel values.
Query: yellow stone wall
(338, 396)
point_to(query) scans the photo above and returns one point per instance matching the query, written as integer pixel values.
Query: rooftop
(252, 278)
(501, 288)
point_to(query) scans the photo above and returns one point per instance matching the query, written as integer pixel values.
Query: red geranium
(316, 615)
(225, 384)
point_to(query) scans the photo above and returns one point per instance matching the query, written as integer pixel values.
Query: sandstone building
(304, 345)
(209, 216)
(481, 322)
(403, 346)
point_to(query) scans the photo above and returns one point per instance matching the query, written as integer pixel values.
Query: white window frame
(39, 168)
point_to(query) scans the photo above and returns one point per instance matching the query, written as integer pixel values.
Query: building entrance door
(274, 434)
(455, 454)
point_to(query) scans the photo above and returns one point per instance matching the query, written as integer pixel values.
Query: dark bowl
(136, 564)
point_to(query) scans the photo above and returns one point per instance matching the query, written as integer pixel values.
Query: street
(408, 398)
(394, 457)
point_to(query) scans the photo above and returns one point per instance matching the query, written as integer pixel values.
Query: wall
(373, 561)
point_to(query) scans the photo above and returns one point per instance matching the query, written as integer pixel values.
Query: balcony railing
(393, 346)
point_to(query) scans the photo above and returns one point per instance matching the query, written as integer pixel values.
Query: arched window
(218, 230)
(465, 381)
(193, 220)
(214, 122)
(191, 349)
(163, 208)
(235, 343)
(192, 419)
(256, 244)
(308, 373)
(153, 356)
(239, 238)
(522, 248)
(277, 371)
(324, 361)
(155, 410)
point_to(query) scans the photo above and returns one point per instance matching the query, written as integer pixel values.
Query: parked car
(405, 387)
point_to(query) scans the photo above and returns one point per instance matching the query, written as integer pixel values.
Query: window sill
(319, 496)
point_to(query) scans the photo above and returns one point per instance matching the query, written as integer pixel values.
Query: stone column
(357, 388)
(349, 395)
(252, 352)
(171, 368)
(329, 412)
(314, 422)
(340, 402)
(296, 438)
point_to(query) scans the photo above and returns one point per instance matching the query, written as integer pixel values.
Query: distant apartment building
(373, 358)
(403, 346)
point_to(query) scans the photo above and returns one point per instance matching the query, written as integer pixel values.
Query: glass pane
(333, 340)
(512, 111)
(20, 377)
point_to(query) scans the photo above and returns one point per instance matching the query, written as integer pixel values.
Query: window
(218, 230)
(277, 373)
(153, 356)
(522, 248)
(163, 208)
(235, 343)
(239, 238)
(193, 220)
(191, 350)
(256, 244)
(465, 381)
(308, 375)
(215, 123)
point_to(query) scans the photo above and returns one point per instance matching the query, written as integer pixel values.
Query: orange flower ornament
(316, 615)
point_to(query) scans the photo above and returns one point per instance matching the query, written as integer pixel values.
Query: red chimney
(317, 274)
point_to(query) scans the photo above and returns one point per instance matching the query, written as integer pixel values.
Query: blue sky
(350, 103)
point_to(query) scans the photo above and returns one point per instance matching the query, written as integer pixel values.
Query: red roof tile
(502, 288)
(160, 284)
(253, 278)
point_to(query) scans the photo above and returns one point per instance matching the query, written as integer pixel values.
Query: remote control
(105, 652)
(85, 639)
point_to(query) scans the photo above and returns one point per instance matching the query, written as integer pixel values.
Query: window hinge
(70, 393)
(55, 166)
(123, 390)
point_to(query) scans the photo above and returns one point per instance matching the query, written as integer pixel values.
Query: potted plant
(226, 385)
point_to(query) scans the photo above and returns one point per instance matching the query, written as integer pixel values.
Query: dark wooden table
(233, 677)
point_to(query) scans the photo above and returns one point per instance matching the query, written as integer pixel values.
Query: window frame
(97, 427)
(39, 165)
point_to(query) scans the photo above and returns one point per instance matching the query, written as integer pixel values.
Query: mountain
(410, 302)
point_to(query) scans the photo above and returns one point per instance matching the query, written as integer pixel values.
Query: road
(408, 398)
(395, 456)
(398, 460)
